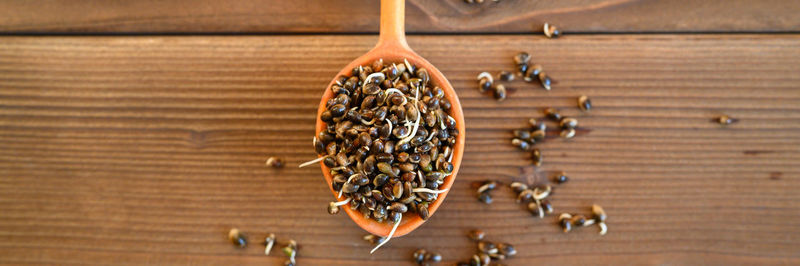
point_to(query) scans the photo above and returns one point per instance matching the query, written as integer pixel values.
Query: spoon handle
(393, 33)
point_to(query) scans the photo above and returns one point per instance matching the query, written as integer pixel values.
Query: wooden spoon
(393, 48)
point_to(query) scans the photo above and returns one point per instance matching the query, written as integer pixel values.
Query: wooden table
(136, 132)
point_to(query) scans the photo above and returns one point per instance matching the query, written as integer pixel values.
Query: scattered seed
(505, 76)
(487, 247)
(568, 122)
(603, 228)
(546, 206)
(487, 186)
(564, 221)
(275, 162)
(532, 73)
(538, 135)
(598, 213)
(485, 259)
(521, 144)
(536, 209)
(518, 186)
(373, 239)
(506, 249)
(521, 134)
(561, 178)
(540, 193)
(419, 256)
(551, 31)
(567, 133)
(476, 234)
(433, 257)
(578, 220)
(726, 120)
(584, 103)
(536, 155)
(522, 58)
(499, 92)
(552, 114)
(525, 195)
(545, 80)
(237, 238)
(533, 122)
(485, 198)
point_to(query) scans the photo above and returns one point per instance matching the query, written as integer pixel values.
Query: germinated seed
(546, 206)
(487, 186)
(269, 241)
(532, 73)
(551, 31)
(536, 155)
(536, 209)
(373, 239)
(237, 238)
(499, 92)
(565, 221)
(584, 103)
(598, 213)
(726, 120)
(518, 186)
(561, 178)
(521, 144)
(484, 259)
(506, 249)
(552, 114)
(433, 257)
(568, 122)
(419, 256)
(487, 247)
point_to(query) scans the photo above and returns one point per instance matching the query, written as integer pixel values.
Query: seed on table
(487, 186)
(485, 81)
(419, 256)
(373, 239)
(536, 209)
(487, 247)
(476, 234)
(578, 220)
(497, 256)
(499, 92)
(584, 103)
(433, 257)
(538, 135)
(552, 114)
(332, 208)
(505, 76)
(522, 58)
(564, 221)
(603, 228)
(532, 73)
(525, 195)
(568, 122)
(726, 120)
(485, 198)
(237, 238)
(518, 186)
(551, 31)
(545, 80)
(561, 178)
(475, 261)
(506, 249)
(269, 241)
(536, 155)
(521, 144)
(533, 122)
(277, 162)
(485, 259)
(567, 133)
(546, 206)
(598, 213)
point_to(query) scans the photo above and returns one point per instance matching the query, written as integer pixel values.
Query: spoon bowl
(393, 48)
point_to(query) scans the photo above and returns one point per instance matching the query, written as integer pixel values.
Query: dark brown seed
(398, 207)
(505, 76)
(564, 221)
(584, 103)
(476, 234)
(484, 85)
(578, 220)
(545, 80)
(521, 144)
(532, 73)
(538, 135)
(329, 161)
(433, 257)
(561, 178)
(422, 210)
(552, 114)
(522, 58)
(536, 155)
(373, 239)
(487, 247)
(419, 256)
(521, 134)
(397, 190)
(337, 110)
(499, 92)
(485, 198)
(567, 133)
(568, 122)
(237, 238)
(535, 209)
(525, 195)
(546, 206)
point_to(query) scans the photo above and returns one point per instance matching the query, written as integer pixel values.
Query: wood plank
(146, 150)
(199, 16)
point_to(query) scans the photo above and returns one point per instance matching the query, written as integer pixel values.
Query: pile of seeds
(487, 250)
(424, 257)
(568, 221)
(388, 141)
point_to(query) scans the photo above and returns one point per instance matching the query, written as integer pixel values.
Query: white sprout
(484, 187)
(539, 206)
(485, 75)
(441, 123)
(539, 194)
(341, 190)
(428, 190)
(312, 162)
(416, 123)
(565, 216)
(270, 240)
(391, 233)
(547, 29)
(589, 222)
(390, 124)
(408, 66)
(603, 228)
(376, 74)
(450, 159)
(451, 118)
(368, 123)
(430, 137)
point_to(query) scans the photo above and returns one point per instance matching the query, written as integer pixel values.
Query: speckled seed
(499, 92)
(538, 135)
(567, 133)
(398, 207)
(419, 256)
(505, 76)
(578, 220)
(568, 122)
(546, 206)
(536, 155)
(237, 238)
(552, 114)
(485, 198)
(726, 120)
(373, 239)
(561, 178)
(433, 257)
(545, 80)
(487, 247)
(584, 103)
(476, 234)
(332, 208)
(518, 186)
(564, 221)
(521, 144)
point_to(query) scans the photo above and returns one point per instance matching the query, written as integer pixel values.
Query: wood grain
(146, 150)
(429, 16)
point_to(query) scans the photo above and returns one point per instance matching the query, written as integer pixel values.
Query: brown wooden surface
(146, 150)
(149, 16)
